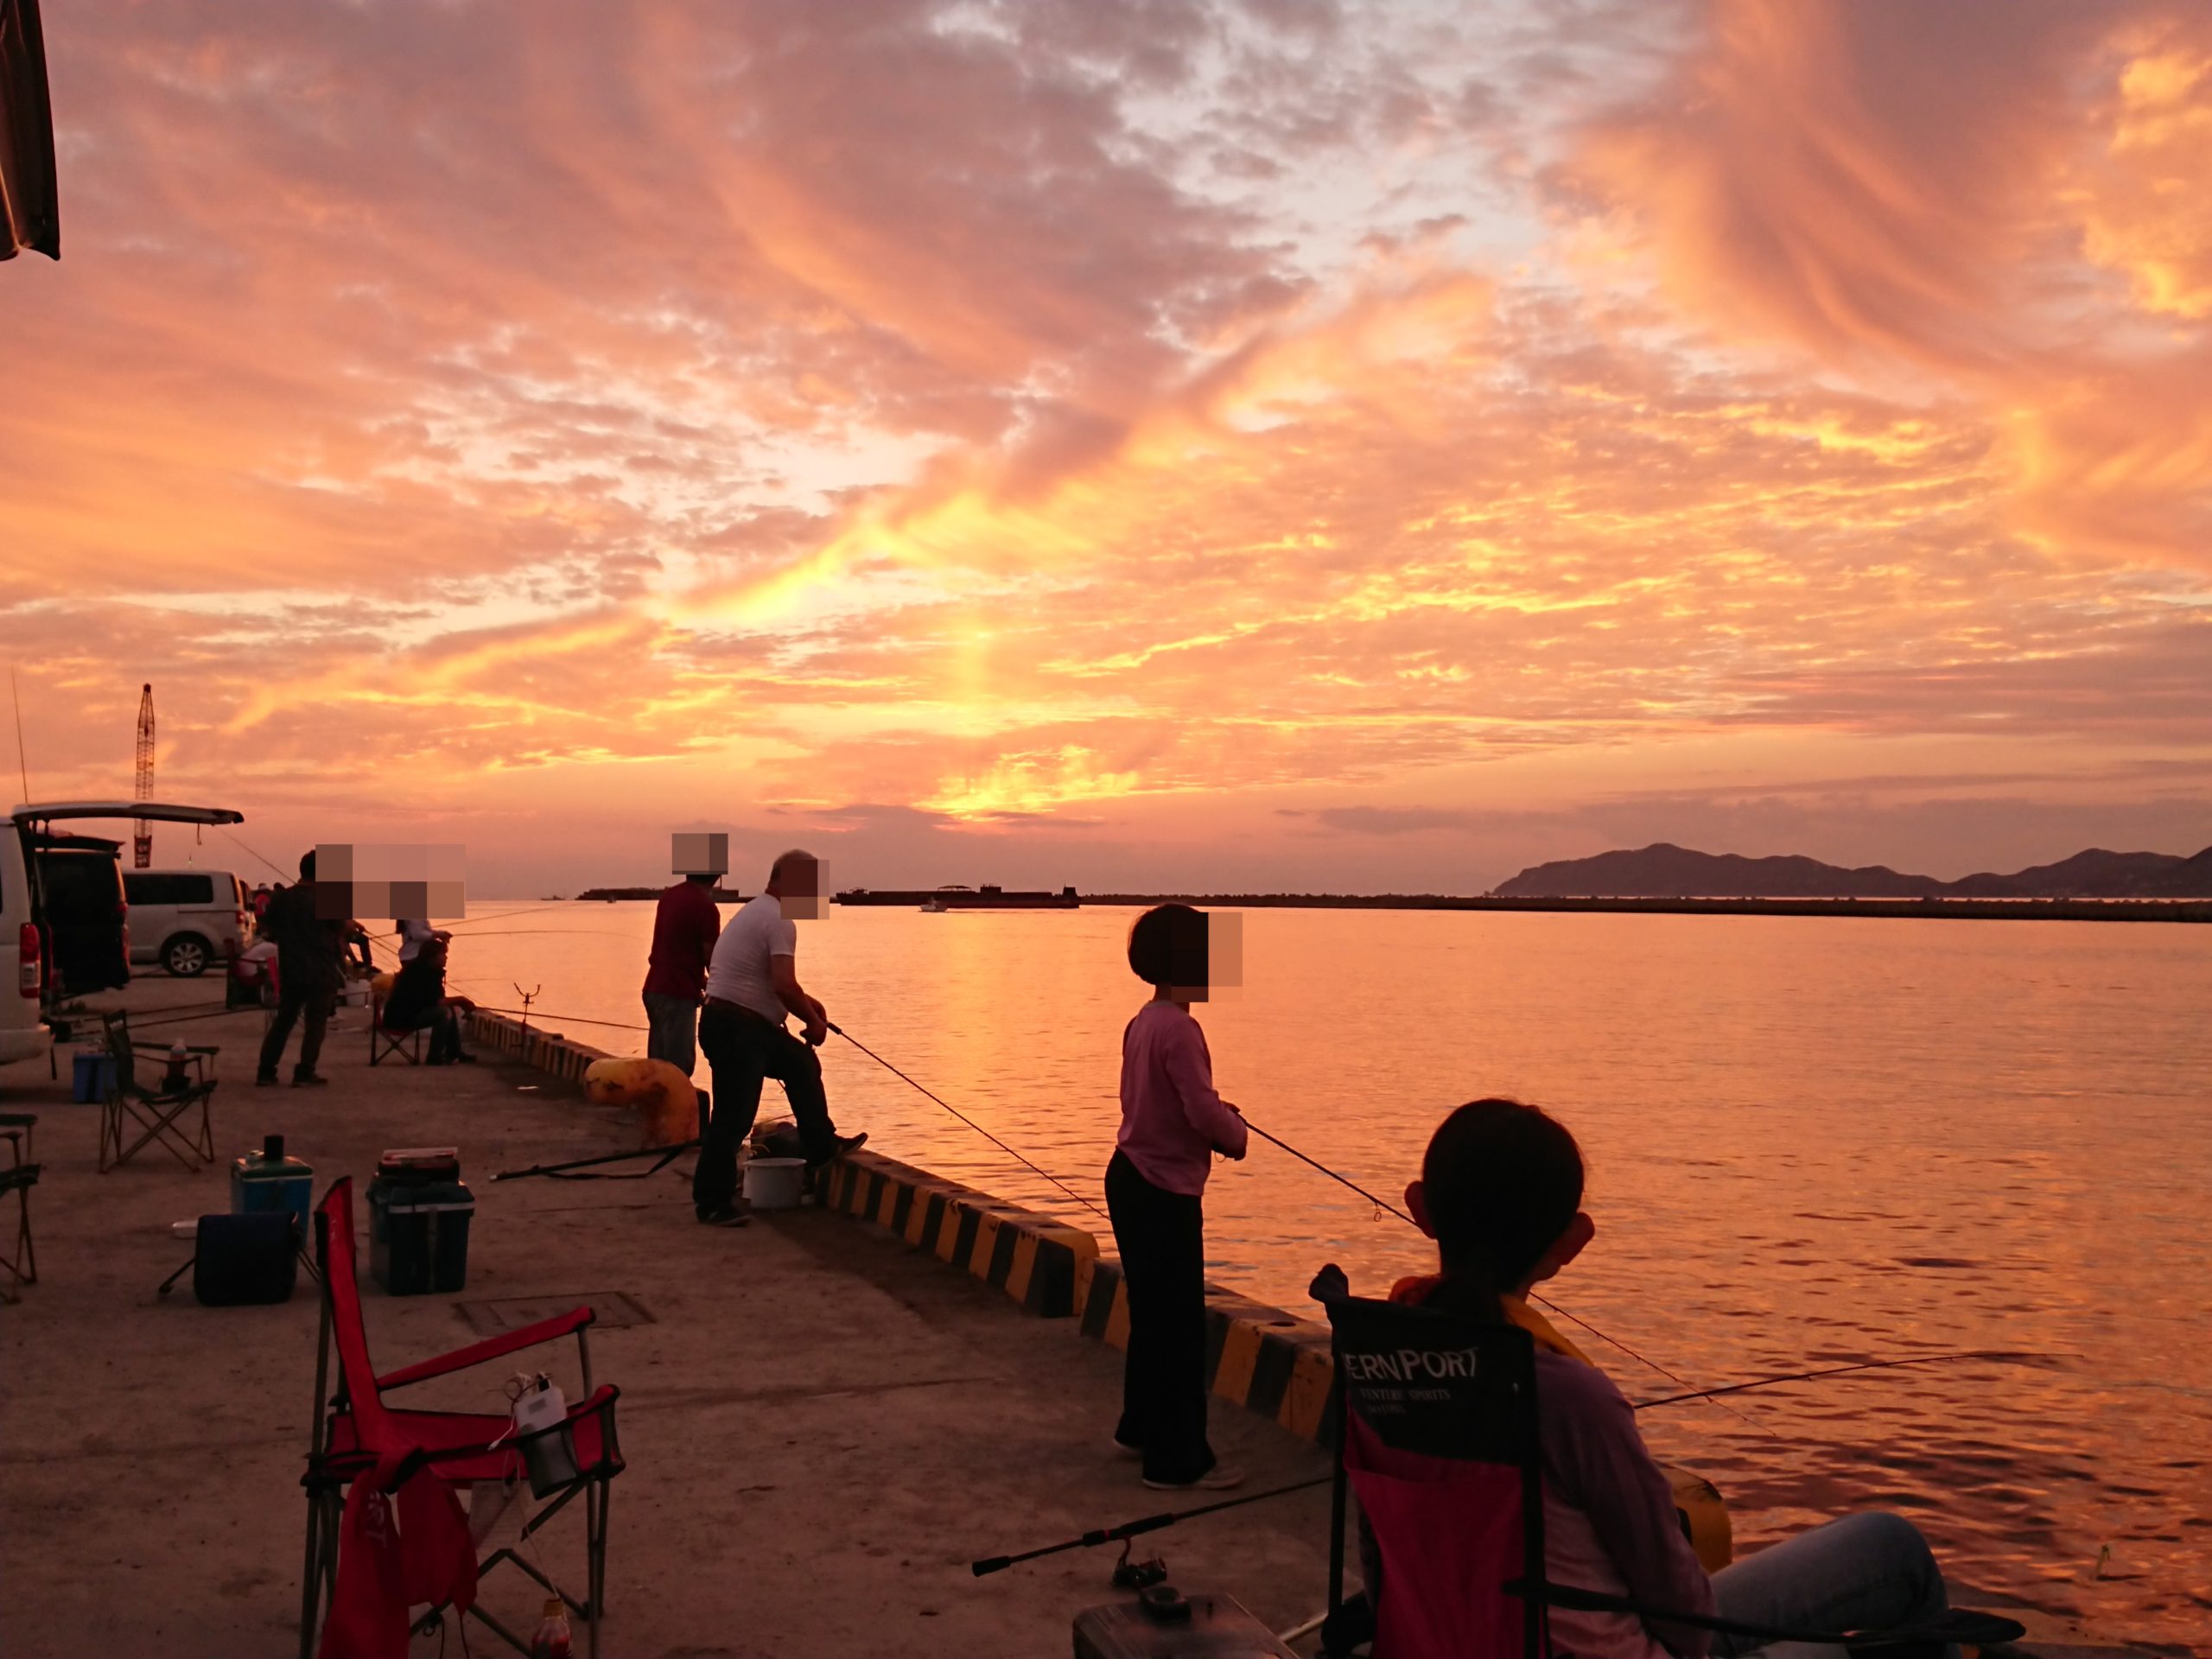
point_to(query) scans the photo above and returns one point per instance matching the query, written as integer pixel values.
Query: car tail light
(32, 968)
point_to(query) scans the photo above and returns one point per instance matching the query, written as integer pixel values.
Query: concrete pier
(824, 1426)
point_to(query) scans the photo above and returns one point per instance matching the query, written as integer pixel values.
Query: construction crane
(141, 843)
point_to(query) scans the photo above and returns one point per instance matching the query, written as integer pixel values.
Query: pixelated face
(698, 852)
(424, 879)
(1206, 957)
(802, 884)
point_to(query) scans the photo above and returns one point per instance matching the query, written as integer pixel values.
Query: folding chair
(21, 1261)
(383, 1043)
(1436, 1428)
(161, 1115)
(355, 1430)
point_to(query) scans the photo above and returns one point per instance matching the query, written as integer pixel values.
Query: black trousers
(743, 1052)
(313, 1002)
(1161, 1236)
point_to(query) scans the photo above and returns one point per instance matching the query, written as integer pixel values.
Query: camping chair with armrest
(1436, 1431)
(162, 1116)
(20, 1262)
(354, 1429)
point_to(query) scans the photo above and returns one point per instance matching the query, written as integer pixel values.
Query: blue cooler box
(269, 1181)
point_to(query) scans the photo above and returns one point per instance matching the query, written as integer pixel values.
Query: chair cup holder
(549, 1456)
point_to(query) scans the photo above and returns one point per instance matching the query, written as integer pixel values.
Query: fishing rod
(974, 1125)
(1642, 1359)
(1128, 1529)
(1839, 1371)
(668, 1155)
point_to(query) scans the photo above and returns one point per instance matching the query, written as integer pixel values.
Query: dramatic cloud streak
(1190, 427)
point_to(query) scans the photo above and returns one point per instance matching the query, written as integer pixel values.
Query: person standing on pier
(752, 987)
(310, 951)
(685, 925)
(1172, 1124)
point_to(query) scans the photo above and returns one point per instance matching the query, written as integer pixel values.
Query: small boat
(935, 907)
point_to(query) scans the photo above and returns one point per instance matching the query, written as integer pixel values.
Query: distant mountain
(2097, 873)
(1665, 871)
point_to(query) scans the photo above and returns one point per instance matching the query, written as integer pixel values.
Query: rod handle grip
(990, 1564)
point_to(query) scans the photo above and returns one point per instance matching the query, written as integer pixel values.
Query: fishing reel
(1139, 1576)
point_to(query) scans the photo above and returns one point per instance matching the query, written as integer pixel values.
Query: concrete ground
(822, 1427)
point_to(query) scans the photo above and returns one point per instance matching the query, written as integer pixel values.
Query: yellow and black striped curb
(1035, 1258)
(548, 1051)
(1257, 1356)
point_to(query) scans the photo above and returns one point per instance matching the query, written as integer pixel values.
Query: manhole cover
(614, 1309)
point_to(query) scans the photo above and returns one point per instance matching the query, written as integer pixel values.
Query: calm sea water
(1810, 1141)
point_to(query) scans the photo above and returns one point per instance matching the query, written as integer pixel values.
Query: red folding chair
(1436, 1431)
(355, 1430)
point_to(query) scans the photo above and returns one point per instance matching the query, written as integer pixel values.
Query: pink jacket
(1172, 1121)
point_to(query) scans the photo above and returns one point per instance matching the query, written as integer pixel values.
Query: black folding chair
(385, 1042)
(163, 1114)
(21, 1175)
(1436, 1430)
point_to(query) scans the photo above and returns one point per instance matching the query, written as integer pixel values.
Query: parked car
(78, 918)
(186, 919)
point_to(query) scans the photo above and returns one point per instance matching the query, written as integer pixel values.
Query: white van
(22, 1033)
(185, 919)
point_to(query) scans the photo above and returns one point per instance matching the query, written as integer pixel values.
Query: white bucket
(774, 1183)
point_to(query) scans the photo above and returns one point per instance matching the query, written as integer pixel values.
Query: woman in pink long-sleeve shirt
(1173, 1123)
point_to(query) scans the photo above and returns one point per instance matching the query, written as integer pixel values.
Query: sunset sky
(1277, 443)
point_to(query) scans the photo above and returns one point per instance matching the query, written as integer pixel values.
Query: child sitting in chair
(1501, 1193)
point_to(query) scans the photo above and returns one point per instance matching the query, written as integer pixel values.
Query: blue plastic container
(269, 1181)
(91, 1077)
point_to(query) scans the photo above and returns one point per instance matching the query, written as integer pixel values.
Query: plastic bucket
(774, 1183)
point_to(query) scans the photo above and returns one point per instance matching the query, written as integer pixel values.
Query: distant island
(2096, 885)
(1665, 871)
(720, 895)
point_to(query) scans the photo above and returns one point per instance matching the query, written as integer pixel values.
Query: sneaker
(730, 1215)
(308, 1080)
(1219, 1478)
(265, 1080)
(1123, 1449)
(845, 1143)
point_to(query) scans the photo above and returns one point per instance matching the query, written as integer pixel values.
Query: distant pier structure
(959, 898)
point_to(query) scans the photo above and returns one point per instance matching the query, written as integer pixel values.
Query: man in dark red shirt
(684, 930)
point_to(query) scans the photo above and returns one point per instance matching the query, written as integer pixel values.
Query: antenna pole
(22, 764)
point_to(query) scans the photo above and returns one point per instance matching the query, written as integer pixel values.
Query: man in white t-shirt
(752, 987)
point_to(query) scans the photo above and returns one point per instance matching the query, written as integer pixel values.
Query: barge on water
(957, 898)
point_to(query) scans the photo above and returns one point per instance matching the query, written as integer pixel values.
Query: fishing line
(565, 1018)
(1642, 1359)
(1839, 1371)
(978, 1127)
